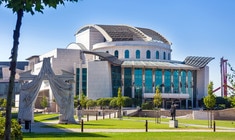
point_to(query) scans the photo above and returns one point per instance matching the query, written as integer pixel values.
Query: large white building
(137, 60)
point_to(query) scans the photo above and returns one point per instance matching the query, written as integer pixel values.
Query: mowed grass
(131, 123)
(133, 136)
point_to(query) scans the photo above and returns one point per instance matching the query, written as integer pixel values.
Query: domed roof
(126, 33)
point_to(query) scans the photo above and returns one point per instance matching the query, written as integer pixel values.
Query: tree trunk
(14, 51)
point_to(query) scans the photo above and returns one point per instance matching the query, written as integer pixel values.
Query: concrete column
(163, 81)
(133, 83)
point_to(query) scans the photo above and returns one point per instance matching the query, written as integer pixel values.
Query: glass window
(175, 81)
(169, 56)
(116, 79)
(126, 53)
(190, 83)
(167, 81)
(158, 78)
(1, 73)
(116, 53)
(148, 54)
(138, 85)
(164, 55)
(148, 81)
(84, 81)
(107, 51)
(137, 54)
(157, 54)
(127, 82)
(183, 82)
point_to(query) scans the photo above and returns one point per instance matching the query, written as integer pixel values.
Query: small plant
(16, 133)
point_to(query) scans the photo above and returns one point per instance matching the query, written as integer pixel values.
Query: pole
(82, 126)
(146, 126)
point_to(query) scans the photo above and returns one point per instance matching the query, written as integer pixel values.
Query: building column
(153, 82)
(143, 84)
(163, 81)
(122, 80)
(133, 82)
(186, 88)
(172, 82)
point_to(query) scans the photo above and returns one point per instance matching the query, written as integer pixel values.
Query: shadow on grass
(61, 135)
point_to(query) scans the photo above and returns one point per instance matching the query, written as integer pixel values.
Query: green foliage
(76, 101)
(104, 102)
(119, 98)
(31, 6)
(83, 100)
(232, 100)
(127, 101)
(90, 103)
(157, 98)
(44, 102)
(3, 102)
(147, 105)
(16, 133)
(210, 99)
(113, 103)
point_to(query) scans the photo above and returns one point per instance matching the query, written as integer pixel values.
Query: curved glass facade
(183, 81)
(175, 81)
(190, 83)
(127, 82)
(138, 73)
(148, 81)
(137, 54)
(158, 78)
(167, 81)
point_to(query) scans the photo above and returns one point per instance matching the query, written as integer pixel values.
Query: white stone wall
(99, 84)
(132, 46)
(202, 82)
(84, 38)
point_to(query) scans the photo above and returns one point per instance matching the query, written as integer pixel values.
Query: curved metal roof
(197, 61)
(106, 56)
(126, 33)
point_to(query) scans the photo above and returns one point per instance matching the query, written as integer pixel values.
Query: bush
(16, 133)
(147, 105)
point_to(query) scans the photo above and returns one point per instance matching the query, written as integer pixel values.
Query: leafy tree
(127, 101)
(157, 101)
(90, 103)
(44, 102)
(83, 100)
(113, 103)
(103, 102)
(19, 7)
(210, 101)
(120, 102)
(231, 78)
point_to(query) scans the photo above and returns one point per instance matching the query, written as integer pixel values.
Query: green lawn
(133, 136)
(132, 123)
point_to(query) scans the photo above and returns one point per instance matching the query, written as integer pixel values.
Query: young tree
(44, 102)
(19, 7)
(210, 101)
(120, 102)
(157, 101)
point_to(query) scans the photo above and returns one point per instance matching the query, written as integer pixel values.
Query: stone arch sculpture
(62, 91)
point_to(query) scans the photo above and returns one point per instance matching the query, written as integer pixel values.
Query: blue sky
(195, 27)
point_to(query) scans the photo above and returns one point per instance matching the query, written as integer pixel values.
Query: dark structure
(173, 111)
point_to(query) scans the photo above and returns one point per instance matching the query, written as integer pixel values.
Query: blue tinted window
(148, 81)
(157, 54)
(127, 54)
(183, 82)
(137, 54)
(164, 55)
(116, 53)
(127, 82)
(158, 78)
(176, 81)
(190, 83)
(148, 54)
(167, 81)
(138, 85)
(169, 56)
(1, 73)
